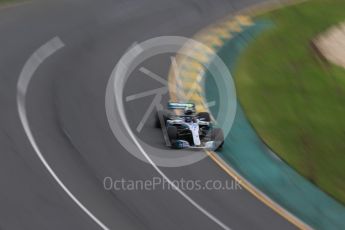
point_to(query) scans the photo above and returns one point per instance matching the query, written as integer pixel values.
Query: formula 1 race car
(189, 129)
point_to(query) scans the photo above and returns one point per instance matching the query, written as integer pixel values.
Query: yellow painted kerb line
(228, 26)
(257, 193)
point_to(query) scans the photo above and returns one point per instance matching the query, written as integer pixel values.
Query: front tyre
(218, 138)
(162, 116)
(172, 133)
(204, 116)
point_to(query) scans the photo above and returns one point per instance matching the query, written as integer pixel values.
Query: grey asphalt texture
(66, 112)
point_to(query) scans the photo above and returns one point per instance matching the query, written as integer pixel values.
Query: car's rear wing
(176, 105)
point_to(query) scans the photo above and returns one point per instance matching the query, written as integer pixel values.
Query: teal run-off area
(245, 152)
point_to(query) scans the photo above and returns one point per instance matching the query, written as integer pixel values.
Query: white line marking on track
(116, 82)
(26, 75)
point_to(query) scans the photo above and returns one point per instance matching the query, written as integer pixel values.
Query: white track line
(116, 82)
(28, 71)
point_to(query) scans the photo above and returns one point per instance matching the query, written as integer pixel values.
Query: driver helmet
(188, 111)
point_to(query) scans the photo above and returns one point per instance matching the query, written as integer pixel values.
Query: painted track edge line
(231, 172)
(257, 193)
(113, 83)
(30, 67)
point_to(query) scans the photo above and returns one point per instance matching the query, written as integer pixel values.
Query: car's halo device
(189, 129)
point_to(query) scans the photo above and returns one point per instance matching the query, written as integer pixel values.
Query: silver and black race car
(184, 128)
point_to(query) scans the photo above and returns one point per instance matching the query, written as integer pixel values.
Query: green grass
(296, 101)
(7, 1)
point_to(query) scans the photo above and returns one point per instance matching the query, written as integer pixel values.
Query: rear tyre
(205, 116)
(218, 137)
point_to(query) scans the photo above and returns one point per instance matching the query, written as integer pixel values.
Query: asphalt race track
(66, 114)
